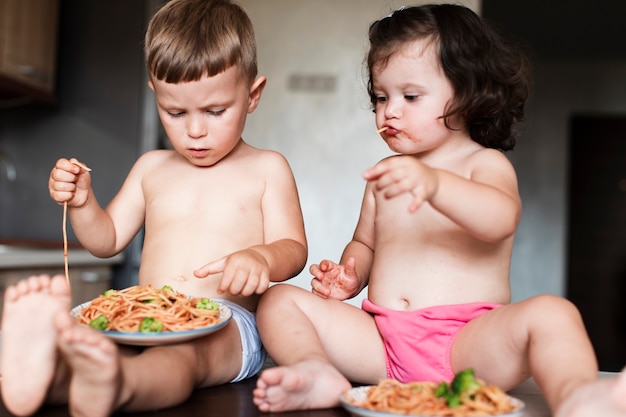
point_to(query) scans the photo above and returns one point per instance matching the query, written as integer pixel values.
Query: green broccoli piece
(99, 323)
(206, 304)
(464, 381)
(150, 325)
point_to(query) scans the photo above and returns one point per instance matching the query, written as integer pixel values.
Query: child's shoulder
(155, 156)
(266, 156)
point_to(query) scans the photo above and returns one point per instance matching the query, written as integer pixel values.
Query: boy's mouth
(198, 153)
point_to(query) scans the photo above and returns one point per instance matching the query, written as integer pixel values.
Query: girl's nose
(196, 127)
(392, 109)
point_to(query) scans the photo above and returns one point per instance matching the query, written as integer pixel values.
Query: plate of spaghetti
(146, 316)
(391, 398)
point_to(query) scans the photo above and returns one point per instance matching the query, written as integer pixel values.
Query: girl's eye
(381, 99)
(409, 97)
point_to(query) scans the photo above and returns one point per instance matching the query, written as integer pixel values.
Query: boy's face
(204, 119)
(412, 94)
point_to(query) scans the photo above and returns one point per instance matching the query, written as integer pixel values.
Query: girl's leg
(320, 344)
(543, 337)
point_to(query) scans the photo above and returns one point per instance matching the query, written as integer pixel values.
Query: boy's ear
(151, 85)
(256, 89)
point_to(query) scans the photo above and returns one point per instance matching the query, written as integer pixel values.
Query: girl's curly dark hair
(491, 77)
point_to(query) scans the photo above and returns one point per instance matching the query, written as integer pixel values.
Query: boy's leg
(320, 346)
(94, 362)
(165, 376)
(29, 352)
(543, 337)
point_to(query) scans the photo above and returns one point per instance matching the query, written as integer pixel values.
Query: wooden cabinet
(28, 48)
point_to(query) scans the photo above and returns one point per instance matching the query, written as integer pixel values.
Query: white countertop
(19, 257)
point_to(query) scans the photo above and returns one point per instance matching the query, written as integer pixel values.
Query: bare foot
(94, 362)
(306, 385)
(605, 397)
(29, 355)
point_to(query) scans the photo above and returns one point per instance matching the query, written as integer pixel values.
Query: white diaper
(253, 353)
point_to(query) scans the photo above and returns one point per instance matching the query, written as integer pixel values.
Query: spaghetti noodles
(146, 309)
(419, 399)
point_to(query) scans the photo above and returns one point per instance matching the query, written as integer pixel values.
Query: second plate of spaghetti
(353, 401)
(122, 314)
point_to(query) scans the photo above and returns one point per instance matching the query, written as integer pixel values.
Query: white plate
(153, 339)
(359, 394)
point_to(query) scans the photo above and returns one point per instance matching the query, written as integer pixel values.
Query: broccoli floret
(464, 381)
(206, 304)
(150, 325)
(99, 323)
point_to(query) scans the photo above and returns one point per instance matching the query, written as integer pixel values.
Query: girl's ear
(256, 89)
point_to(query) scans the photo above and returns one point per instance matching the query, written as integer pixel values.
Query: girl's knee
(276, 298)
(549, 308)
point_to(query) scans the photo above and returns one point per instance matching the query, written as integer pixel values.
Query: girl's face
(412, 94)
(204, 119)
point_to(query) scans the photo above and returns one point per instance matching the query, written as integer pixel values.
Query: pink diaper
(418, 343)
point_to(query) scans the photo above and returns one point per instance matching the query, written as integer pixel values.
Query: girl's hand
(69, 182)
(331, 280)
(404, 174)
(245, 272)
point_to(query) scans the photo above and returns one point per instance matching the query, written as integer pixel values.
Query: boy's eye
(409, 97)
(381, 99)
(216, 112)
(175, 113)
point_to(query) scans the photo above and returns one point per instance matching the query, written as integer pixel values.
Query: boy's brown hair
(187, 39)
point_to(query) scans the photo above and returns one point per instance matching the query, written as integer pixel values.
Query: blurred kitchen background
(93, 103)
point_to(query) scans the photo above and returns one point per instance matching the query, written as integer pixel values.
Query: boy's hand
(244, 273)
(331, 280)
(69, 182)
(404, 174)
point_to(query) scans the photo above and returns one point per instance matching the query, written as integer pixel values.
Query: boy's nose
(196, 127)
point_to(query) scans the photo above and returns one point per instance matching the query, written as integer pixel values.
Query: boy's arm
(286, 248)
(103, 232)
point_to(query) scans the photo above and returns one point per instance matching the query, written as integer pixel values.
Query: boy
(433, 242)
(222, 219)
